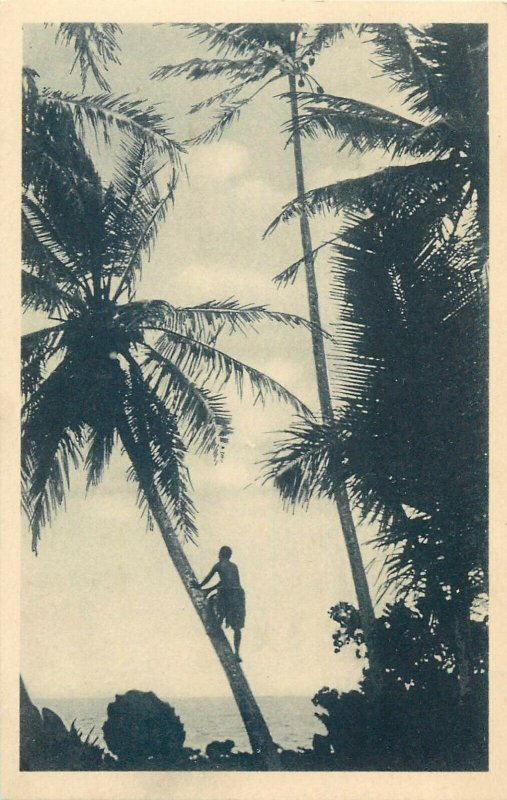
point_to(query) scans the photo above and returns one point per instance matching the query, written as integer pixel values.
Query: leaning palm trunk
(340, 493)
(255, 725)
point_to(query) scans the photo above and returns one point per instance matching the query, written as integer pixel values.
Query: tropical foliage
(410, 363)
(79, 275)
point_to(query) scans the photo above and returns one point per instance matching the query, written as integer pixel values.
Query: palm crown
(442, 72)
(144, 370)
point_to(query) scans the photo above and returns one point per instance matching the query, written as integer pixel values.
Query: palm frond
(231, 315)
(288, 275)
(45, 295)
(144, 242)
(47, 236)
(226, 39)
(60, 177)
(221, 97)
(49, 159)
(129, 115)
(441, 67)
(129, 204)
(204, 421)
(101, 442)
(206, 320)
(375, 265)
(325, 35)
(369, 192)
(37, 348)
(161, 452)
(211, 366)
(51, 441)
(229, 113)
(306, 464)
(363, 127)
(197, 68)
(96, 47)
(49, 477)
(410, 73)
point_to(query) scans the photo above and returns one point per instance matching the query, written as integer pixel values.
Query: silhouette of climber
(230, 598)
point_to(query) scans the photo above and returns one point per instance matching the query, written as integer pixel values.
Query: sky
(103, 609)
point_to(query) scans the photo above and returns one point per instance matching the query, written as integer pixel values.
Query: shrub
(142, 730)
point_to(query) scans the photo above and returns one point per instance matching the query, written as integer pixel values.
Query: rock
(217, 750)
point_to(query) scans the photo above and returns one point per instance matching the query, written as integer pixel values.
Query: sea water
(291, 720)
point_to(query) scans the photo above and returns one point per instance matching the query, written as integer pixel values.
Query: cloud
(218, 161)
(259, 192)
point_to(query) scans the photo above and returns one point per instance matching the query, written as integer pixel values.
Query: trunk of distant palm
(342, 502)
(255, 725)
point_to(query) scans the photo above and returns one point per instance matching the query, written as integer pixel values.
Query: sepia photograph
(254, 399)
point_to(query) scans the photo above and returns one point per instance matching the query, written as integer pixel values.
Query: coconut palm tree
(411, 440)
(438, 193)
(112, 369)
(253, 57)
(441, 145)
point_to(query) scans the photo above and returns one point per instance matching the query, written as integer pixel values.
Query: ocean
(291, 720)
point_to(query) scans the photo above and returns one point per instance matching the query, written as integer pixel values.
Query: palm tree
(442, 73)
(440, 198)
(266, 54)
(411, 440)
(115, 369)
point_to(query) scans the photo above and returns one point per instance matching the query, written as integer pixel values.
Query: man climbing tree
(230, 598)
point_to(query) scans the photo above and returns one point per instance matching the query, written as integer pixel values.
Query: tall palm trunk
(255, 725)
(342, 502)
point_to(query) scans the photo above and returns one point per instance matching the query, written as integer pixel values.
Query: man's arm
(212, 588)
(208, 578)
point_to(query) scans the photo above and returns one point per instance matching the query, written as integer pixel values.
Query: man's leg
(237, 642)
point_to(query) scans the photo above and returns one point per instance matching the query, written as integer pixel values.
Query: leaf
(326, 34)
(129, 115)
(51, 442)
(365, 127)
(228, 114)
(289, 274)
(45, 295)
(161, 453)
(397, 56)
(96, 47)
(369, 192)
(220, 97)
(306, 464)
(202, 416)
(100, 447)
(226, 38)
(210, 365)
(144, 241)
(47, 236)
(129, 204)
(229, 313)
(37, 349)
(198, 68)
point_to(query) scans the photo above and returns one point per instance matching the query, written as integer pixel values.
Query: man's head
(225, 553)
